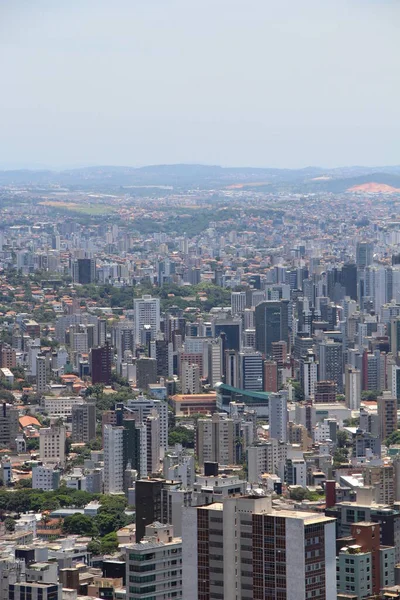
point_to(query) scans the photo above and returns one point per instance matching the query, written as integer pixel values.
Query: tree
(79, 524)
(9, 524)
(369, 395)
(32, 444)
(340, 457)
(298, 391)
(94, 547)
(109, 543)
(342, 439)
(393, 438)
(181, 435)
(24, 483)
(95, 390)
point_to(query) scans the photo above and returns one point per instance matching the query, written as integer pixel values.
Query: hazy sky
(284, 83)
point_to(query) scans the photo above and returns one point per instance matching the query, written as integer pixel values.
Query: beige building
(52, 444)
(216, 440)
(381, 478)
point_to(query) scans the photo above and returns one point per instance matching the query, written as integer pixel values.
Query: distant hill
(180, 176)
(374, 188)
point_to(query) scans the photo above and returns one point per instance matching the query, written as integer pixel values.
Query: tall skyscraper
(352, 387)
(215, 440)
(232, 328)
(387, 412)
(146, 372)
(238, 302)
(250, 370)
(83, 422)
(308, 374)
(364, 254)
(271, 324)
(331, 362)
(349, 280)
(9, 425)
(278, 417)
(100, 365)
(147, 315)
(41, 374)
(84, 270)
(190, 378)
(113, 459)
(259, 552)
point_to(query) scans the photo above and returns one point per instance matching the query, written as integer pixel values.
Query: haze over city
(264, 83)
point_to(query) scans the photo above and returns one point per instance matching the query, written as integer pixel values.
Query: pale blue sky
(280, 83)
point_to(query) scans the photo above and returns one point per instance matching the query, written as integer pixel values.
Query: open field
(86, 209)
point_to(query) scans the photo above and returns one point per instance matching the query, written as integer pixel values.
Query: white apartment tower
(278, 417)
(147, 315)
(190, 378)
(41, 374)
(353, 387)
(113, 459)
(238, 302)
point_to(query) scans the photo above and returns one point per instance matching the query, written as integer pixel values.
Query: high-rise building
(352, 387)
(9, 426)
(45, 477)
(279, 353)
(381, 478)
(52, 444)
(146, 372)
(142, 408)
(331, 362)
(147, 314)
(100, 364)
(232, 328)
(325, 392)
(159, 557)
(270, 376)
(83, 422)
(308, 374)
(352, 567)
(84, 270)
(215, 441)
(296, 472)
(231, 368)
(250, 370)
(271, 324)
(367, 536)
(41, 374)
(241, 548)
(278, 417)
(395, 336)
(387, 412)
(364, 254)
(190, 378)
(266, 457)
(8, 357)
(349, 280)
(113, 459)
(238, 302)
(148, 504)
(215, 359)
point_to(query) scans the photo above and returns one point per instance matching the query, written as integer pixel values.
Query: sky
(263, 83)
